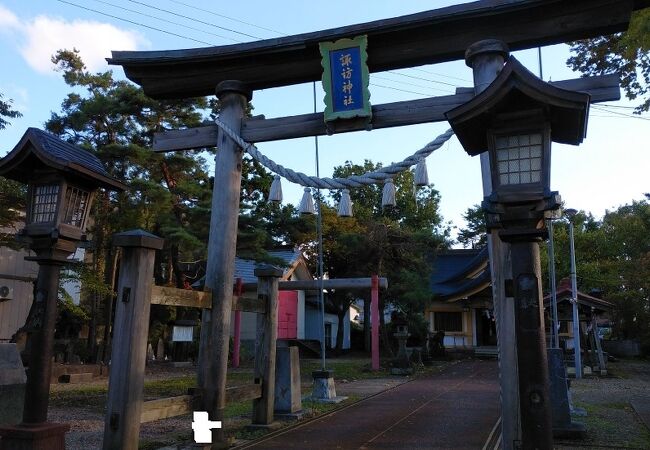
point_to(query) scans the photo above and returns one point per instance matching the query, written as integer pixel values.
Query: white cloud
(42, 36)
(8, 20)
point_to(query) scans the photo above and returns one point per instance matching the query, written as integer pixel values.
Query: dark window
(448, 321)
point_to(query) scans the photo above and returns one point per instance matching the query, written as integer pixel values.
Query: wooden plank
(427, 37)
(170, 296)
(602, 89)
(166, 407)
(236, 394)
(248, 304)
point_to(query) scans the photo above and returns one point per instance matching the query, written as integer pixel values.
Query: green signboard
(345, 79)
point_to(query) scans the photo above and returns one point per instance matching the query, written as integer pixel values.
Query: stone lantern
(515, 119)
(62, 180)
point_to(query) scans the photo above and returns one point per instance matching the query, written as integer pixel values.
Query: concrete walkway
(456, 408)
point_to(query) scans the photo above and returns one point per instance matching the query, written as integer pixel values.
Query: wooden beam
(337, 283)
(602, 89)
(169, 296)
(249, 304)
(166, 407)
(427, 37)
(236, 394)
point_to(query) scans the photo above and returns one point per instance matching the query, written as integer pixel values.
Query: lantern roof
(516, 91)
(38, 148)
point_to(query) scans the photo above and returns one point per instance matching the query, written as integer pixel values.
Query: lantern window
(519, 158)
(44, 204)
(76, 201)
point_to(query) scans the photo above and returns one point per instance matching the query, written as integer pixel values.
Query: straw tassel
(307, 203)
(388, 194)
(275, 194)
(345, 204)
(421, 175)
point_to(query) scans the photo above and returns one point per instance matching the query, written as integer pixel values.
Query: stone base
(324, 387)
(401, 371)
(574, 430)
(580, 412)
(41, 436)
(268, 427)
(338, 399)
(289, 415)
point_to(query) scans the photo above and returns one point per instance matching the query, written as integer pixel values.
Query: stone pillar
(12, 385)
(288, 401)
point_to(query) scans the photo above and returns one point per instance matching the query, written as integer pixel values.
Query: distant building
(461, 304)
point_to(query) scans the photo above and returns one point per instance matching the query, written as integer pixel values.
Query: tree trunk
(339, 330)
(383, 331)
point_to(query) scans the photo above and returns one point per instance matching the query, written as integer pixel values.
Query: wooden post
(486, 58)
(374, 320)
(126, 383)
(213, 352)
(237, 332)
(267, 334)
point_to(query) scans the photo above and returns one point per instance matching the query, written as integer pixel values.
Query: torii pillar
(222, 243)
(486, 58)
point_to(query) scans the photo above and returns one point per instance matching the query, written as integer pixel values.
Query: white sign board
(182, 333)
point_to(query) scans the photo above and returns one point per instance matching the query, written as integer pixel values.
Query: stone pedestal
(401, 364)
(563, 427)
(324, 388)
(41, 436)
(12, 385)
(288, 401)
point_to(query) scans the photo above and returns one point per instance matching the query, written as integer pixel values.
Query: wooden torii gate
(423, 38)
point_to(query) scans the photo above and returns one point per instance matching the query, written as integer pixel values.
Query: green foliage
(7, 111)
(474, 235)
(393, 242)
(12, 204)
(627, 54)
(613, 256)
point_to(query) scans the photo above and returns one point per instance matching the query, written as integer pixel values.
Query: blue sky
(607, 170)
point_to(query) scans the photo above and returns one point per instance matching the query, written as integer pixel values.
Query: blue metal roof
(244, 268)
(452, 269)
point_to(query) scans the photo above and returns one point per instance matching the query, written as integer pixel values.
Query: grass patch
(92, 397)
(348, 369)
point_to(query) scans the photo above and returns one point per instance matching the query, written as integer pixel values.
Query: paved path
(456, 408)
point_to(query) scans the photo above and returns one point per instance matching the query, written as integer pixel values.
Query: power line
(377, 77)
(401, 90)
(417, 69)
(631, 116)
(134, 22)
(193, 19)
(420, 78)
(165, 20)
(226, 17)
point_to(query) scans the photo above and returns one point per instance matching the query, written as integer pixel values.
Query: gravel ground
(611, 421)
